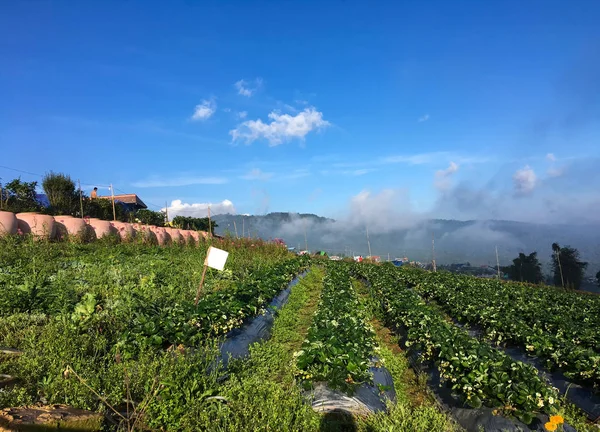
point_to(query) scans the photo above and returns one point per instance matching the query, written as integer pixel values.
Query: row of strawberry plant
(480, 374)
(574, 315)
(340, 341)
(498, 309)
(216, 313)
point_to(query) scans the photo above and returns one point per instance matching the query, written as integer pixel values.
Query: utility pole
(369, 242)
(497, 262)
(433, 252)
(209, 227)
(305, 239)
(166, 212)
(243, 226)
(235, 228)
(562, 281)
(80, 198)
(112, 196)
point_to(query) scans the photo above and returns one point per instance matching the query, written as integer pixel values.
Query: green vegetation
(525, 268)
(559, 326)
(61, 193)
(81, 306)
(474, 370)
(340, 342)
(150, 217)
(568, 268)
(17, 196)
(113, 328)
(198, 224)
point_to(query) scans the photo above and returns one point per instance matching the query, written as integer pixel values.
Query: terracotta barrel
(162, 236)
(101, 227)
(185, 234)
(150, 235)
(176, 236)
(196, 236)
(125, 230)
(8, 223)
(68, 226)
(37, 224)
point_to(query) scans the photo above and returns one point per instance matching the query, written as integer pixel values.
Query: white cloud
(436, 157)
(524, 180)
(244, 87)
(381, 212)
(242, 114)
(200, 210)
(424, 118)
(282, 128)
(555, 171)
(550, 157)
(417, 159)
(257, 174)
(443, 177)
(178, 181)
(205, 110)
(297, 173)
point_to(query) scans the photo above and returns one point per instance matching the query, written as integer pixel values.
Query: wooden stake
(80, 198)
(201, 282)
(112, 196)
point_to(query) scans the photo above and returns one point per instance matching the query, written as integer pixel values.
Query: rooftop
(127, 199)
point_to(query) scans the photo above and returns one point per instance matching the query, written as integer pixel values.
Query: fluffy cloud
(282, 127)
(242, 114)
(204, 110)
(389, 209)
(244, 88)
(424, 118)
(443, 178)
(524, 180)
(257, 174)
(199, 210)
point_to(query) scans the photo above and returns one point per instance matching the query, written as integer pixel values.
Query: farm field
(113, 329)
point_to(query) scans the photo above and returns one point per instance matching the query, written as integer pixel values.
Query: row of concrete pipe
(61, 227)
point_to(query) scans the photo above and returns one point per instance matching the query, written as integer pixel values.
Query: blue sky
(464, 109)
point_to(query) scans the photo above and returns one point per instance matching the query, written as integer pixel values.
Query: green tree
(61, 193)
(568, 268)
(198, 224)
(18, 196)
(150, 217)
(525, 268)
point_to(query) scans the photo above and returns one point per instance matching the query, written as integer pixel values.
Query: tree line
(568, 270)
(64, 198)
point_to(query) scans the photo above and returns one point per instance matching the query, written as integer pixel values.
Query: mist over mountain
(455, 241)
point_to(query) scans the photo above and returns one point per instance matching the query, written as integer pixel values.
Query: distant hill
(455, 241)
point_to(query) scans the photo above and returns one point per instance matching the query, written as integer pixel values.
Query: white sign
(216, 258)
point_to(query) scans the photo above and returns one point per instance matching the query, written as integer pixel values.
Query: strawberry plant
(340, 342)
(474, 370)
(561, 327)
